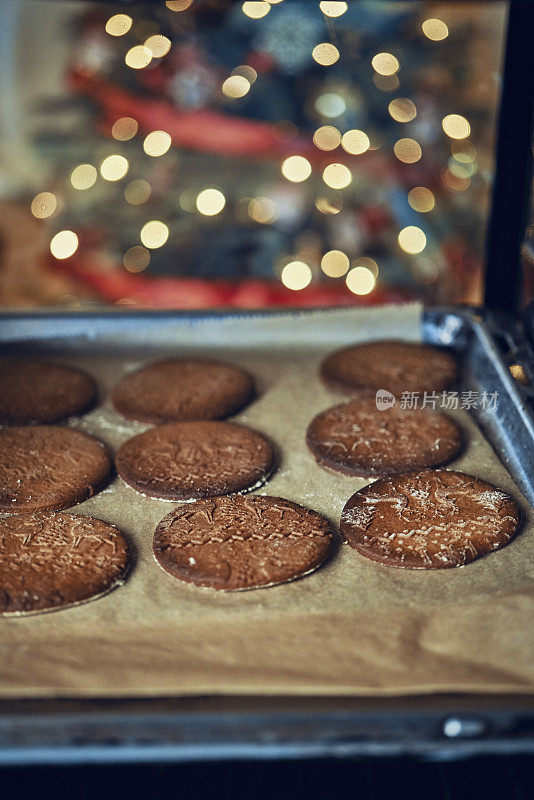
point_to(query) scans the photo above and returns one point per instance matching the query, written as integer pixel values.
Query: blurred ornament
(95, 52)
(194, 83)
(289, 35)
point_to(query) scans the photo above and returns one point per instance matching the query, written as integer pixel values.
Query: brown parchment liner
(354, 627)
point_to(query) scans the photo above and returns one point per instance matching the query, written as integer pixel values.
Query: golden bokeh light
(325, 54)
(454, 182)
(118, 24)
(402, 109)
(421, 199)
(386, 83)
(124, 129)
(408, 151)
(328, 205)
(435, 29)
(368, 263)
(456, 126)
(210, 202)
(137, 192)
(332, 8)
(138, 57)
(355, 142)
(136, 259)
(463, 151)
(43, 205)
(337, 176)
(157, 143)
(83, 176)
(154, 234)
(385, 64)
(235, 86)
(327, 137)
(113, 168)
(330, 105)
(178, 5)
(263, 210)
(360, 280)
(335, 263)
(244, 71)
(158, 45)
(296, 275)
(519, 374)
(255, 10)
(412, 239)
(64, 244)
(466, 170)
(462, 170)
(296, 169)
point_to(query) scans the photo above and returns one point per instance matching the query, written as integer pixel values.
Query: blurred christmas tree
(345, 145)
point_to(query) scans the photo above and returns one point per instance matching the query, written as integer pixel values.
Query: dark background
(403, 779)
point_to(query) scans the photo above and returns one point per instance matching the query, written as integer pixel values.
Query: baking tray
(52, 729)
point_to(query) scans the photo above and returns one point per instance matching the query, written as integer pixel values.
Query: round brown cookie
(357, 439)
(185, 460)
(183, 389)
(43, 467)
(50, 561)
(241, 542)
(432, 519)
(392, 365)
(41, 391)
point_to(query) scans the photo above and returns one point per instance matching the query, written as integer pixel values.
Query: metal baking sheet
(353, 627)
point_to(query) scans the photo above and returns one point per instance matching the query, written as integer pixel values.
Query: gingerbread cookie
(358, 439)
(391, 365)
(49, 561)
(434, 519)
(186, 460)
(44, 467)
(183, 389)
(41, 391)
(241, 542)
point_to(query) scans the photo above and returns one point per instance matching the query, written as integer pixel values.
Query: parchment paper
(353, 627)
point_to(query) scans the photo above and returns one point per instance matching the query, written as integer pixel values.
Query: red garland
(215, 132)
(115, 285)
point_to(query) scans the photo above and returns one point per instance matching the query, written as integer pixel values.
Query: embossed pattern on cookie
(49, 561)
(434, 519)
(187, 460)
(46, 468)
(238, 542)
(358, 439)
